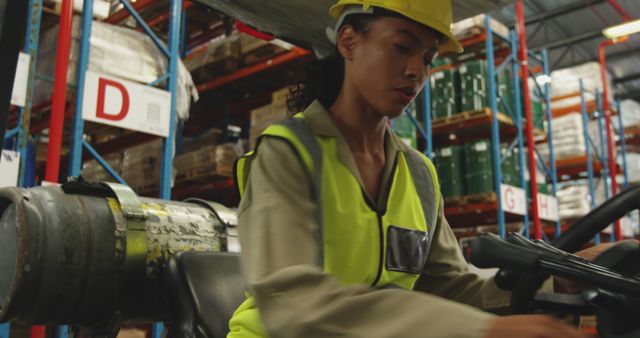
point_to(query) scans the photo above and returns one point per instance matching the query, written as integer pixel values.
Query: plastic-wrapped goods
(630, 111)
(633, 167)
(573, 201)
(568, 137)
(115, 51)
(566, 82)
(141, 166)
(94, 172)
(476, 25)
(101, 8)
(207, 162)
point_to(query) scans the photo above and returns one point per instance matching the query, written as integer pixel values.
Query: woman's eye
(402, 48)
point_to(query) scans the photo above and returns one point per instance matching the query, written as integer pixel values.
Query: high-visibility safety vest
(360, 244)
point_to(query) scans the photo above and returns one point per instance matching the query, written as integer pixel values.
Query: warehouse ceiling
(571, 31)
(304, 21)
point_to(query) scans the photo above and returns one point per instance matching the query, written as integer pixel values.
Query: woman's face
(388, 65)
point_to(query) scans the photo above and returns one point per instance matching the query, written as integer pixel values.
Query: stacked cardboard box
(568, 137)
(255, 50)
(94, 172)
(207, 162)
(566, 85)
(115, 51)
(267, 115)
(216, 58)
(475, 25)
(141, 166)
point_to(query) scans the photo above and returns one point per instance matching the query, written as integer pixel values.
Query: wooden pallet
(469, 115)
(211, 70)
(263, 53)
(487, 197)
(454, 200)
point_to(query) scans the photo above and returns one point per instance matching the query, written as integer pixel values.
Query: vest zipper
(381, 242)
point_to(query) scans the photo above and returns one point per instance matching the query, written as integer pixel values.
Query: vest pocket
(406, 250)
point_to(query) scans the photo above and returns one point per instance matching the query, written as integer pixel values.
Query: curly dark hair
(322, 79)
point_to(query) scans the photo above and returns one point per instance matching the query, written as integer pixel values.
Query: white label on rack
(481, 146)
(446, 152)
(463, 69)
(439, 75)
(513, 199)
(126, 104)
(9, 168)
(19, 94)
(548, 207)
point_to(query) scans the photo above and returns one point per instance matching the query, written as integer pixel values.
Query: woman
(340, 221)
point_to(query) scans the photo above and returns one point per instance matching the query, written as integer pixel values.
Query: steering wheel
(521, 273)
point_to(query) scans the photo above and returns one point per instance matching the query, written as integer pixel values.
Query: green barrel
(505, 90)
(445, 93)
(537, 108)
(479, 173)
(473, 85)
(478, 167)
(449, 165)
(404, 128)
(510, 166)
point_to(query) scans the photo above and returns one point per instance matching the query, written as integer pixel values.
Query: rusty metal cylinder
(77, 256)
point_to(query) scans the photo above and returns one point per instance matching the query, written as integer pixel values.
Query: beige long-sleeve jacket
(296, 299)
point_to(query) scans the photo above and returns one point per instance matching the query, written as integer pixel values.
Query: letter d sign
(102, 91)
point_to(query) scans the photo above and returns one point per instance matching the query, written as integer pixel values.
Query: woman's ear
(347, 41)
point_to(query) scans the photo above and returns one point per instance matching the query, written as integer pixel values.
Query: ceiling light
(624, 29)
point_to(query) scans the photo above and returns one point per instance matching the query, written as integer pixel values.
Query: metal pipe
(613, 168)
(77, 133)
(427, 115)
(588, 149)
(56, 127)
(623, 145)
(518, 118)
(524, 61)
(552, 156)
(623, 13)
(92, 255)
(495, 128)
(32, 41)
(175, 22)
(13, 16)
(154, 38)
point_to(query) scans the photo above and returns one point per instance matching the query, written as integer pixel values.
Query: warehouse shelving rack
(594, 160)
(496, 104)
(20, 134)
(172, 54)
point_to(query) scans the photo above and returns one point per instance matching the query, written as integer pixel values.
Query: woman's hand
(531, 326)
(568, 286)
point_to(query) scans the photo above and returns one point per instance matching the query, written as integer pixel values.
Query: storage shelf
(576, 167)
(218, 186)
(476, 214)
(470, 126)
(295, 54)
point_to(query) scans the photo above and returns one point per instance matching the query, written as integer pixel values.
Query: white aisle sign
(19, 94)
(126, 104)
(513, 199)
(548, 207)
(9, 168)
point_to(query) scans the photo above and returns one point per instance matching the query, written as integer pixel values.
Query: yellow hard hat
(436, 14)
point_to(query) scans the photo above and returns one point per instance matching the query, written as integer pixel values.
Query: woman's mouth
(405, 94)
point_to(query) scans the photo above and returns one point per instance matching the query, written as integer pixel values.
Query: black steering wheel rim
(527, 284)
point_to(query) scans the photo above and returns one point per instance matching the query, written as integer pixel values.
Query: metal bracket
(135, 235)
